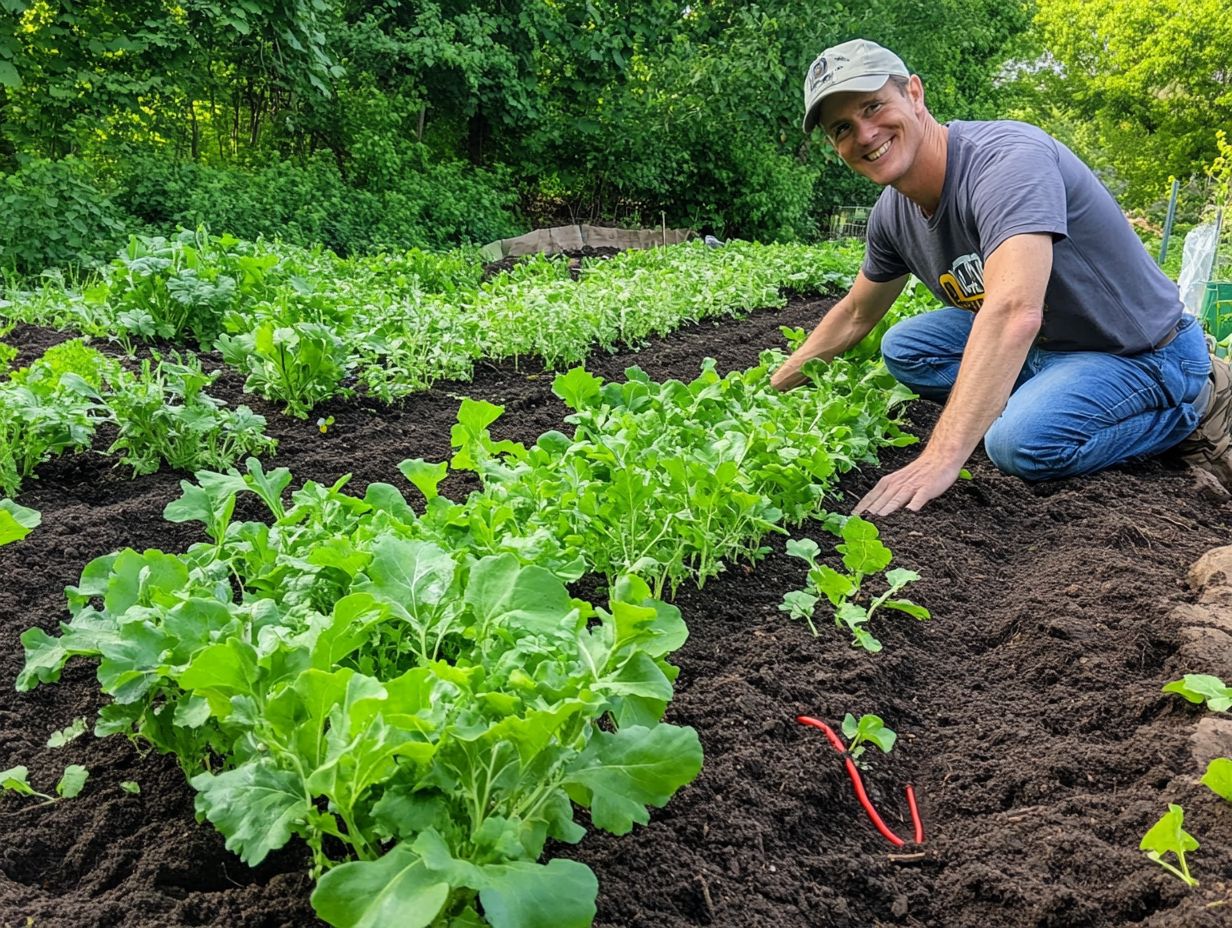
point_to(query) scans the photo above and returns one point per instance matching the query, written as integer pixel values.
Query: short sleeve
(882, 260)
(1018, 190)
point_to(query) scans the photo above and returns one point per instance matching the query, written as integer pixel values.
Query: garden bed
(1029, 710)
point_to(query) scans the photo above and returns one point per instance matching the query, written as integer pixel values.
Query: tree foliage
(1138, 87)
(627, 109)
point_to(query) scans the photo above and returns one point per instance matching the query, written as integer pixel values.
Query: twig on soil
(1024, 813)
(706, 896)
(906, 858)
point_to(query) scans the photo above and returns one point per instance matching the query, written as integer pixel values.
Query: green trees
(364, 123)
(1138, 88)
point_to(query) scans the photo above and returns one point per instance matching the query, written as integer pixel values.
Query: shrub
(53, 214)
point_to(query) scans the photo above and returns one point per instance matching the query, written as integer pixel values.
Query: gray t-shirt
(1008, 178)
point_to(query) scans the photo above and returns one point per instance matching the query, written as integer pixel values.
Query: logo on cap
(820, 73)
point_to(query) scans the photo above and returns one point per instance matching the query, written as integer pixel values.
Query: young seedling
(1168, 837)
(868, 730)
(863, 554)
(1202, 687)
(62, 737)
(72, 781)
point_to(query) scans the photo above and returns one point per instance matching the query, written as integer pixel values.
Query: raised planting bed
(1029, 709)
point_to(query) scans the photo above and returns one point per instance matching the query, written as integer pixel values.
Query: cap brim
(862, 84)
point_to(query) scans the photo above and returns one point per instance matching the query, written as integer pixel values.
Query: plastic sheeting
(574, 238)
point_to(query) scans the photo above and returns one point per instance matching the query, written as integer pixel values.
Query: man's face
(878, 132)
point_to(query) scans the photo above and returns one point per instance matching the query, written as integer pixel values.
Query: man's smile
(873, 156)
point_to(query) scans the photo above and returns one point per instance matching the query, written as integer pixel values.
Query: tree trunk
(194, 145)
(477, 132)
(8, 152)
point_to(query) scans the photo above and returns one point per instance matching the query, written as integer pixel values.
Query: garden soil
(1029, 710)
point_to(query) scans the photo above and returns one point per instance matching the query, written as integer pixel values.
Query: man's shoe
(1210, 445)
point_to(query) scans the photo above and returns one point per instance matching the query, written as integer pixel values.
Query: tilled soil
(1029, 708)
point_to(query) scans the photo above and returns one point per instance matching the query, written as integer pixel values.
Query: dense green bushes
(60, 214)
(434, 205)
(53, 213)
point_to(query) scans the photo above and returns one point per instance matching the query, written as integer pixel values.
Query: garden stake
(837, 743)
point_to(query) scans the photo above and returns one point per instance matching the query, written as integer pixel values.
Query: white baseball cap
(858, 65)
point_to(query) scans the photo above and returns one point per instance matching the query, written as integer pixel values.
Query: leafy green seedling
(863, 554)
(62, 737)
(1218, 777)
(324, 423)
(132, 787)
(17, 780)
(1168, 837)
(72, 781)
(870, 729)
(1202, 687)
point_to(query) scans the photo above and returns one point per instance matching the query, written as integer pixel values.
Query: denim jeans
(1071, 412)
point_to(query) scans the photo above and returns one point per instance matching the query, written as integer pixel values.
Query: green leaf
(804, 548)
(16, 522)
(1197, 687)
(414, 576)
(1218, 777)
(132, 787)
(62, 737)
(862, 552)
(915, 610)
(72, 781)
(1168, 837)
(16, 780)
(256, 806)
(529, 599)
(397, 890)
(618, 775)
(426, 477)
(577, 387)
(523, 894)
(833, 585)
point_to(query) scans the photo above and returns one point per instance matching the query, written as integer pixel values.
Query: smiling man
(1062, 346)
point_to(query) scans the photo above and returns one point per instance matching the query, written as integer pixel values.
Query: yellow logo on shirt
(963, 283)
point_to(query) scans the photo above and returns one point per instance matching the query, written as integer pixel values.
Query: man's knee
(1017, 449)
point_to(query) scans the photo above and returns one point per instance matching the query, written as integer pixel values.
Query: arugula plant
(1168, 837)
(164, 415)
(422, 719)
(867, 730)
(863, 554)
(286, 357)
(48, 408)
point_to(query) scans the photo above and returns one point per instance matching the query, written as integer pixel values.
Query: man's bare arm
(1015, 278)
(848, 321)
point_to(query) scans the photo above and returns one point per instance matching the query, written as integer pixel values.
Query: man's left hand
(912, 486)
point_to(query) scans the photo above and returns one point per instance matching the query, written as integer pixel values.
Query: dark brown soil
(1028, 709)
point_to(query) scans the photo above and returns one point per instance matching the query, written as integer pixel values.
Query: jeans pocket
(1183, 379)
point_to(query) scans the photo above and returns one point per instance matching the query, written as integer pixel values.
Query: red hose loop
(858, 784)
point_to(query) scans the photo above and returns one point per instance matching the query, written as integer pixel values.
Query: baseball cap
(858, 65)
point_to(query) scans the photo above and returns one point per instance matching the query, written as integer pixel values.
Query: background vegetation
(363, 124)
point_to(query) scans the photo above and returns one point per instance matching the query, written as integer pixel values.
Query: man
(1062, 346)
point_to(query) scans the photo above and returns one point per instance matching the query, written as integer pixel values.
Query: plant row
(416, 695)
(303, 326)
(161, 415)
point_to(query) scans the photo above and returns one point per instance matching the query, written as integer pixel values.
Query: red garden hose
(837, 743)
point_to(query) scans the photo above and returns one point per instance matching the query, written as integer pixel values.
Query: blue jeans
(1071, 412)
